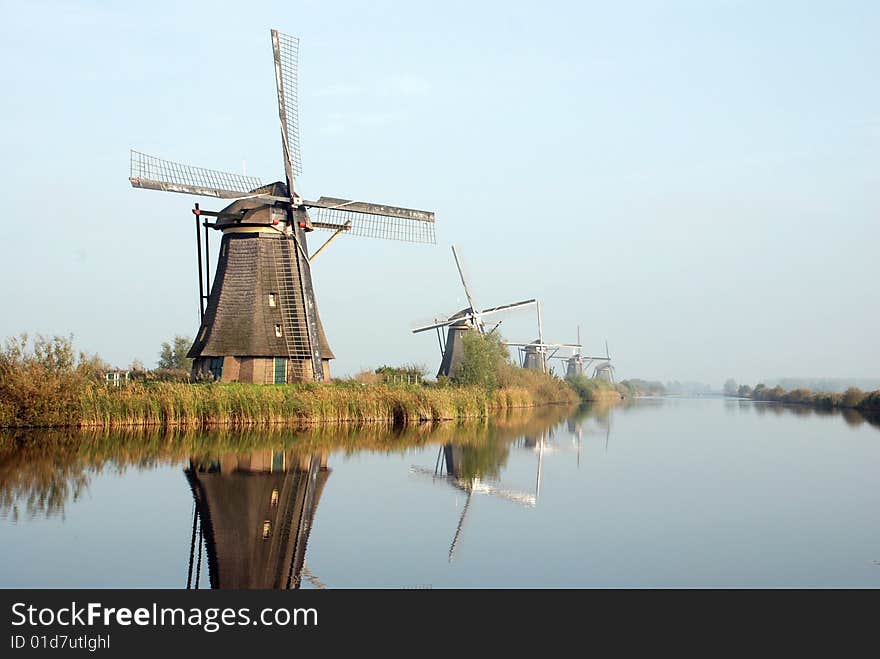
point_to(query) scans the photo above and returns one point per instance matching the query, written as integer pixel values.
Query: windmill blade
(285, 50)
(374, 220)
(467, 290)
(439, 323)
(154, 173)
(507, 307)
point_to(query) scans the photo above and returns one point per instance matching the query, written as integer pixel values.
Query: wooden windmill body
(259, 321)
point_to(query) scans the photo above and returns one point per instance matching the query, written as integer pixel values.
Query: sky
(696, 182)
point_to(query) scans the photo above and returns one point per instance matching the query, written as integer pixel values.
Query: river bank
(183, 405)
(852, 398)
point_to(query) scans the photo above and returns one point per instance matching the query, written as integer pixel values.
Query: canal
(657, 493)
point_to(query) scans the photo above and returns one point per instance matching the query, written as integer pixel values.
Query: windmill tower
(259, 320)
(461, 322)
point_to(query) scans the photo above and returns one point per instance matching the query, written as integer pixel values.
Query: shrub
(483, 356)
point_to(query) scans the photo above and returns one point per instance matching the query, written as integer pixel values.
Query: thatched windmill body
(459, 323)
(259, 320)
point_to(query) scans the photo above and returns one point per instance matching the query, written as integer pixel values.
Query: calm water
(673, 492)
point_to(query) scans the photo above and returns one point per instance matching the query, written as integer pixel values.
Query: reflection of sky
(689, 493)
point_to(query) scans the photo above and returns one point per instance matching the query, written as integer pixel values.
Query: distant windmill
(603, 369)
(469, 318)
(534, 355)
(261, 323)
(577, 363)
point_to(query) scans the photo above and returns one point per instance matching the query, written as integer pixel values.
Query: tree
(730, 387)
(745, 391)
(482, 358)
(174, 356)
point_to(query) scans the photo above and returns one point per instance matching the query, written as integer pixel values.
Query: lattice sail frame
(369, 225)
(287, 68)
(159, 174)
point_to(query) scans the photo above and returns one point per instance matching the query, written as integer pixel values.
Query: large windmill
(469, 318)
(261, 322)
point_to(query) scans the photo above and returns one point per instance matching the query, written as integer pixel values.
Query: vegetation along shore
(852, 399)
(45, 383)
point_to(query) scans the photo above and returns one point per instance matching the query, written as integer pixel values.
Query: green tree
(730, 387)
(483, 355)
(174, 356)
(744, 391)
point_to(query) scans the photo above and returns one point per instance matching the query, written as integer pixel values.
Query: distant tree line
(853, 398)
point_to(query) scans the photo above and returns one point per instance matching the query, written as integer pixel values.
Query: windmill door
(280, 370)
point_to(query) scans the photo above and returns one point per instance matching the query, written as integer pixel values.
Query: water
(671, 492)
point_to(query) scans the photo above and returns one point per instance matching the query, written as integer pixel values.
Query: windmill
(576, 363)
(534, 355)
(603, 369)
(461, 322)
(259, 321)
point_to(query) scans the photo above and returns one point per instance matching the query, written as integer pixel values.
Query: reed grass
(182, 405)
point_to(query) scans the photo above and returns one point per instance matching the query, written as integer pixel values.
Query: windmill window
(274, 500)
(272, 302)
(267, 529)
(216, 367)
(278, 330)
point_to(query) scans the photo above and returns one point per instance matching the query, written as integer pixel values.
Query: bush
(483, 357)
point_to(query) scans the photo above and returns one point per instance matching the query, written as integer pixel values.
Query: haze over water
(661, 492)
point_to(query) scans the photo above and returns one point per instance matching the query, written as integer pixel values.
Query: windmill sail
(155, 173)
(285, 50)
(358, 218)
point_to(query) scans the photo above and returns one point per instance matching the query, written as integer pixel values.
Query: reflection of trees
(42, 470)
(851, 417)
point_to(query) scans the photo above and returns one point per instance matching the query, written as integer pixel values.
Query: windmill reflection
(469, 468)
(254, 513)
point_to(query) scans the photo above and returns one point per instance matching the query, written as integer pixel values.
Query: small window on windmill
(272, 302)
(278, 330)
(274, 499)
(267, 529)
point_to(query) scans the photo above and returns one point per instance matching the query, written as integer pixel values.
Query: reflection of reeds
(41, 469)
(181, 405)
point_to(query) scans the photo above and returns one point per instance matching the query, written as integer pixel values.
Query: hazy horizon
(698, 183)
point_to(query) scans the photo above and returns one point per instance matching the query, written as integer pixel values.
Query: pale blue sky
(697, 182)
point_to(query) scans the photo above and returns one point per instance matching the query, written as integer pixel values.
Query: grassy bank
(852, 398)
(183, 405)
(597, 391)
(46, 385)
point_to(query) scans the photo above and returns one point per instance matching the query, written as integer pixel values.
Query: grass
(182, 405)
